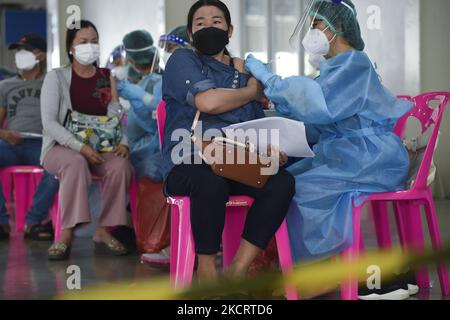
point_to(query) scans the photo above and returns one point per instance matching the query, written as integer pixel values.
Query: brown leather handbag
(234, 160)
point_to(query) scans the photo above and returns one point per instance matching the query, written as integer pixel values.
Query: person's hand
(130, 91)
(121, 151)
(258, 69)
(12, 137)
(275, 152)
(265, 103)
(92, 156)
(257, 89)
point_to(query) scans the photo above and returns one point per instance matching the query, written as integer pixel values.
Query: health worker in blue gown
(350, 118)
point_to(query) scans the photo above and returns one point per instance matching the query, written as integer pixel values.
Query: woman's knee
(120, 166)
(77, 164)
(283, 182)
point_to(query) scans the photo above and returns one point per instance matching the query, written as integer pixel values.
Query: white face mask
(26, 60)
(315, 60)
(166, 57)
(87, 54)
(316, 42)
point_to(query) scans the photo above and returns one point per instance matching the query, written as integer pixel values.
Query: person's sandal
(59, 251)
(111, 247)
(39, 232)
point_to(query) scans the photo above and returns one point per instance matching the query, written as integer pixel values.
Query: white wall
(392, 41)
(115, 18)
(176, 13)
(435, 74)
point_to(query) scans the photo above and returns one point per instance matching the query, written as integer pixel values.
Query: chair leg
(399, 220)
(349, 287)
(186, 253)
(174, 236)
(22, 198)
(232, 233)
(414, 238)
(285, 257)
(436, 240)
(6, 181)
(382, 226)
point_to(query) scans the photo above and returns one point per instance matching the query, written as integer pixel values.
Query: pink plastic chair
(407, 204)
(182, 255)
(25, 180)
(56, 212)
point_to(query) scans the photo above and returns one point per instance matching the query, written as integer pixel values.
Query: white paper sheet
(292, 135)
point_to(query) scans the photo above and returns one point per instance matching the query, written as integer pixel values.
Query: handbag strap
(194, 125)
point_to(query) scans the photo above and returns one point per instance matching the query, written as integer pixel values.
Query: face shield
(166, 40)
(116, 58)
(143, 56)
(339, 16)
(168, 44)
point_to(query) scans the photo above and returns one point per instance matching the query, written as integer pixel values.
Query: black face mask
(210, 41)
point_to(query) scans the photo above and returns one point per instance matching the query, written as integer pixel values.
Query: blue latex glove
(258, 69)
(130, 91)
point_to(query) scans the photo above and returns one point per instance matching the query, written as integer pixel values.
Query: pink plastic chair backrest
(161, 120)
(428, 116)
(401, 123)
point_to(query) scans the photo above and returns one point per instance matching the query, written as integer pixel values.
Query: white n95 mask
(315, 60)
(316, 42)
(26, 60)
(87, 53)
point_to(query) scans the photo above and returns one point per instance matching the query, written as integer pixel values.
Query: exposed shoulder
(239, 65)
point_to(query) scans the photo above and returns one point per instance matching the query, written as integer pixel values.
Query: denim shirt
(187, 74)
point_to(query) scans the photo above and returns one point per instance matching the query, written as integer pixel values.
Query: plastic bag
(266, 260)
(153, 217)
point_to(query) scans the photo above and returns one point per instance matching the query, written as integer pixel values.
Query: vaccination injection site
(188, 151)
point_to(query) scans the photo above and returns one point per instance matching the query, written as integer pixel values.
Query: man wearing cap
(21, 133)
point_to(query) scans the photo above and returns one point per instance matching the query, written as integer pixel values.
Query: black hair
(72, 32)
(203, 3)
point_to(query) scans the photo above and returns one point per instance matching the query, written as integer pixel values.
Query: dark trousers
(209, 194)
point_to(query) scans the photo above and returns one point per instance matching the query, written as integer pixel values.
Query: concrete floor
(25, 272)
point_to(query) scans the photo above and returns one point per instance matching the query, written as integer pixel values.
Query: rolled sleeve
(185, 76)
(199, 87)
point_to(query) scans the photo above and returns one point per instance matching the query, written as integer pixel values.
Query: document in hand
(291, 137)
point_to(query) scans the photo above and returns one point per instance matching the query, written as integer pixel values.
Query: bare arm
(218, 101)
(10, 136)
(2, 116)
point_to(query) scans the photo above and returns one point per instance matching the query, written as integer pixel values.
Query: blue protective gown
(350, 119)
(142, 130)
